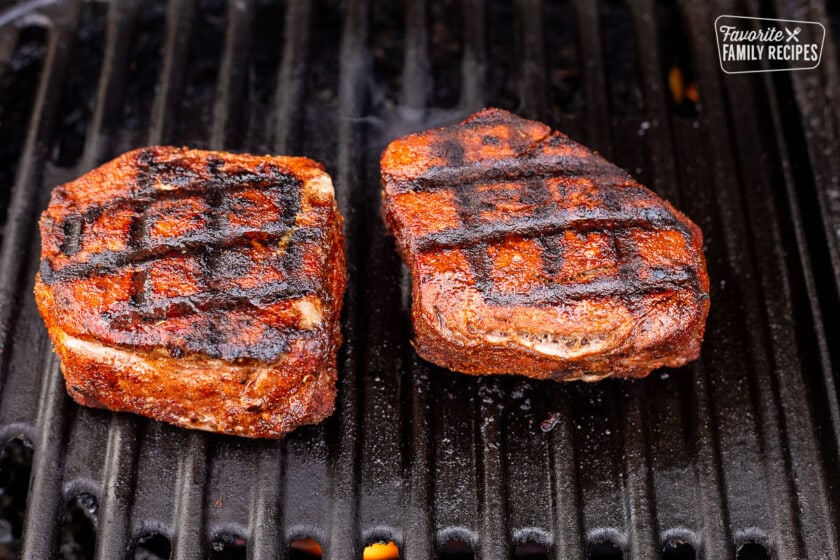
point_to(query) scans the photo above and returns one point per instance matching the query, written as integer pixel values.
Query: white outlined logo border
(720, 56)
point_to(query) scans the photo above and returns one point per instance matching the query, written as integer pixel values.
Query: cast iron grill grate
(735, 456)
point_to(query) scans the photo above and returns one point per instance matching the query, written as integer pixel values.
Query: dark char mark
(614, 205)
(536, 226)
(208, 336)
(231, 265)
(128, 316)
(190, 183)
(72, 231)
(210, 262)
(531, 166)
(138, 288)
(271, 344)
(474, 200)
(203, 244)
(470, 202)
(630, 267)
(452, 151)
(598, 288)
(530, 160)
(543, 224)
(108, 262)
(137, 231)
(552, 254)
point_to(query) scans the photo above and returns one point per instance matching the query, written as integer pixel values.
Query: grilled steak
(198, 288)
(530, 254)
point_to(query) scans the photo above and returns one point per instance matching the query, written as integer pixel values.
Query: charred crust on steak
(518, 237)
(225, 269)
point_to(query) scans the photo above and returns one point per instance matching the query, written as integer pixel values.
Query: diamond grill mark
(546, 222)
(206, 245)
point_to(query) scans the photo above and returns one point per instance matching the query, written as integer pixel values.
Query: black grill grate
(735, 456)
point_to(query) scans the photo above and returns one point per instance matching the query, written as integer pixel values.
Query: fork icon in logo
(792, 34)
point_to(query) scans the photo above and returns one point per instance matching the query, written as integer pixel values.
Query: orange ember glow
(375, 551)
(681, 91)
(381, 551)
(307, 546)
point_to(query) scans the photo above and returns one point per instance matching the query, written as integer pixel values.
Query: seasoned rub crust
(530, 254)
(199, 288)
